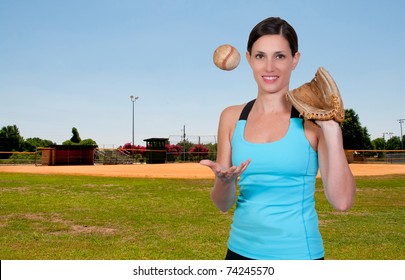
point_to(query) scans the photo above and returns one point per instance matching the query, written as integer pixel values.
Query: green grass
(374, 229)
(79, 217)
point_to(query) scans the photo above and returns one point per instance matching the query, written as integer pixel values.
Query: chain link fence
(180, 152)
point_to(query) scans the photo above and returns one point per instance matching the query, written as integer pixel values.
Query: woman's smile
(270, 78)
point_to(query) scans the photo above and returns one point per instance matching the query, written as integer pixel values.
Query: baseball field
(164, 212)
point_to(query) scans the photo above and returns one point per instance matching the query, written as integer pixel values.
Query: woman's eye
(259, 56)
(280, 56)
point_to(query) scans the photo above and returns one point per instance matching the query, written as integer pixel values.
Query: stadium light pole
(133, 99)
(387, 133)
(401, 121)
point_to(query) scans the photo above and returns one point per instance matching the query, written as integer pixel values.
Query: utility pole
(184, 142)
(133, 99)
(401, 121)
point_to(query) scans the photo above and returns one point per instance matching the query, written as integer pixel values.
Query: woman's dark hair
(274, 26)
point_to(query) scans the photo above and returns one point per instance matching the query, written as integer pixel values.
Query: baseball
(226, 57)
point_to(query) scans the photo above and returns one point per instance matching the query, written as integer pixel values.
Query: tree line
(355, 137)
(12, 141)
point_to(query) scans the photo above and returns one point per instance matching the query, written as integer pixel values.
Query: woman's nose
(269, 65)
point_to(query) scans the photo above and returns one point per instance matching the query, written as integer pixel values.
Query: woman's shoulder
(227, 123)
(233, 111)
(229, 117)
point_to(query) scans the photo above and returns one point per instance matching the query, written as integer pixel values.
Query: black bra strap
(246, 110)
(295, 113)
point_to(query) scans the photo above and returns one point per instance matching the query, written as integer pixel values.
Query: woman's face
(272, 63)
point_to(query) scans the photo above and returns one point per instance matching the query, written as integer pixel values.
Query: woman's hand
(226, 175)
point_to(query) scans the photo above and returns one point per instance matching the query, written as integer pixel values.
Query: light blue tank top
(275, 215)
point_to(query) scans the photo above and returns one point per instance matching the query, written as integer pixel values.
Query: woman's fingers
(213, 165)
(242, 167)
(224, 174)
(235, 171)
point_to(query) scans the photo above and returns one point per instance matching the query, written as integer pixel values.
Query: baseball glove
(319, 99)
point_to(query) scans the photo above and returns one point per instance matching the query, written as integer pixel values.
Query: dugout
(156, 150)
(68, 155)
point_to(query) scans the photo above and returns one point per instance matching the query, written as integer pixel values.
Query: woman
(276, 155)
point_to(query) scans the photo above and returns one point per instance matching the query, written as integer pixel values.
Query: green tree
(85, 142)
(75, 138)
(88, 142)
(394, 143)
(366, 138)
(31, 144)
(69, 143)
(10, 139)
(378, 143)
(355, 137)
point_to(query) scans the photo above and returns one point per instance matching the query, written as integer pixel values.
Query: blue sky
(75, 63)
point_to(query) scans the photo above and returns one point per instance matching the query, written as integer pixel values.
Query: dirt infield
(175, 170)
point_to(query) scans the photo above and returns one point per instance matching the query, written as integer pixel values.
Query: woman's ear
(248, 57)
(296, 59)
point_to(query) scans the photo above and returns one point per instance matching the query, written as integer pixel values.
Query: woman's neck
(272, 103)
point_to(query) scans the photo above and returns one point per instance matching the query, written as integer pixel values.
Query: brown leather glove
(319, 99)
